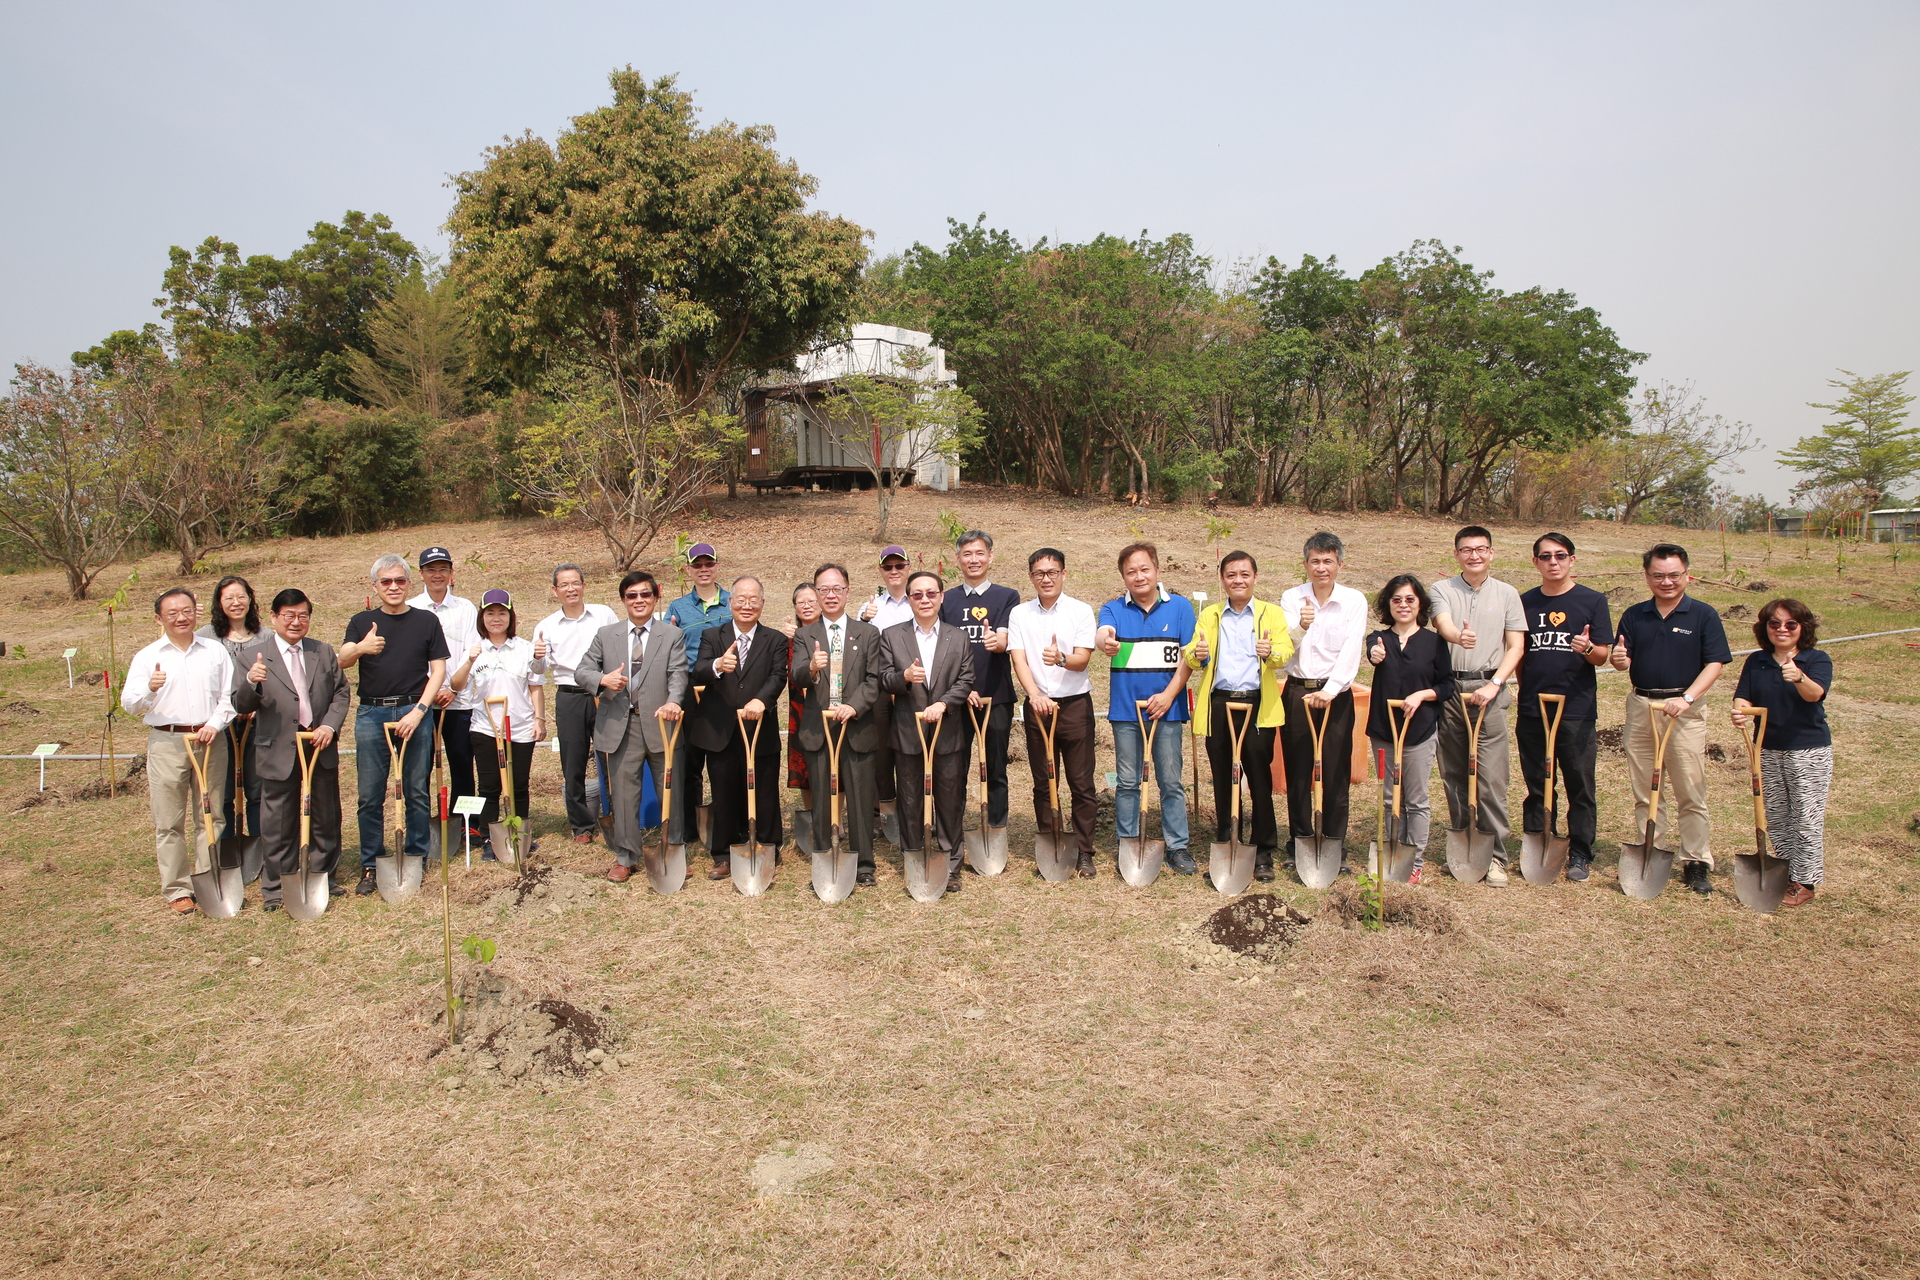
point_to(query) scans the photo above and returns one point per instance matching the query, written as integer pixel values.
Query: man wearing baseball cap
(708, 605)
(453, 709)
(887, 607)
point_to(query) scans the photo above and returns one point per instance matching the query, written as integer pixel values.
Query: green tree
(422, 351)
(1868, 448)
(65, 473)
(344, 469)
(1668, 459)
(900, 422)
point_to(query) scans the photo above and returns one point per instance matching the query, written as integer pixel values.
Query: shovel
(802, 813)
(397, 876)
(926, 867)
(242, 846)
(1316, 858)
(1760, 879)
(1543, 855)
(1230, 862)
(304, 892)
(446, 918)
(751, 864)
(220, 890)
(834, 871)
(1049, 859)
(1138, 858)
(667, 865)
(606, 792)
(1470, 850)
(509, 845)
(702, 814)
(437, 834)
(1395, 858)
(987, 847)
(1645, 867)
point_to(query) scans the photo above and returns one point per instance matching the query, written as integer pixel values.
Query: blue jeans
(373, 765)
(1127, 745)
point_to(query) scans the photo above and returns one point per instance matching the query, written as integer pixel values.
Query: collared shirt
(1150, 645)
(1069, 625)
(1491, 610)
(744, 641)
(978, 611)
(1330, 649)
(199, 687)
(460, 623)
(506, 671)
(694, 615)
(891, 611)
(295, 658)
(928, 642)
(1670, 652)
(632, 664)
(1237, 666)
(1793, 723)
(568, 639)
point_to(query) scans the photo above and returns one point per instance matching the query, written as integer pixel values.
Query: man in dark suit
(638, 670)
(743, 666)
(928, 667)
(857, 644)
(290, 682)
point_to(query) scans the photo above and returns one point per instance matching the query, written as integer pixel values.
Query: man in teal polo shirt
(1142, 633)
(707, 605)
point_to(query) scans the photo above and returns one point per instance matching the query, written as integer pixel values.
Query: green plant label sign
(470, 804)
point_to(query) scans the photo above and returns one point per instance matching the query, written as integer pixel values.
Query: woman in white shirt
(501, 666)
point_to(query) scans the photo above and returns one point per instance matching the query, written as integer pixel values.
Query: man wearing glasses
(638, 668)
(1569, 631)
(744, 667)
(559, 642)
(928, 666)
(839, 692)
(1051, 638)
(402, 655)
(1481, 620)
(979, 607)
(1675, 648)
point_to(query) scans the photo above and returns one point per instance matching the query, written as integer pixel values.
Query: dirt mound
(19, 708)
(1403, 906)
(508, 1037)
(1613, 738)
(548, 891)
(1260, 926)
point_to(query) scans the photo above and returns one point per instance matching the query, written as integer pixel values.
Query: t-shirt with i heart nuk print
(1550, 664)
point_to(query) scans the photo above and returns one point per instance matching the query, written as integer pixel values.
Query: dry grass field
(1025, 1080)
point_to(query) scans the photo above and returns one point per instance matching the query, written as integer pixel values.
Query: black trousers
(1296, 743)
(949, 801)
(883, 754)
(856, 801)
(1574, 750)
(280, 827)
(456, 737)
(692, 769)
(573, 717)
(1256, 766)
(519, 762)
(999, 722)
(729, 768)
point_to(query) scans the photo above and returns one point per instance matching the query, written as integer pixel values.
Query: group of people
(908, 679)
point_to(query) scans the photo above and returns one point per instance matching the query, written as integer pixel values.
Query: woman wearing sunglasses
(1410, 662)
(1789, 678)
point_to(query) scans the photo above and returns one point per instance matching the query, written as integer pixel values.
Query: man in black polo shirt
(1674, 648)
(402, 655)
(981, 608)
(1569, 631)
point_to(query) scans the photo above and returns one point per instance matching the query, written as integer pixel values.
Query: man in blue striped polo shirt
(1142, 634)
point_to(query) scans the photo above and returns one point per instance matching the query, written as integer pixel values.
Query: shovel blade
(803, 829)
(398, 877)
(751, 866)
(1644, 870)
(890, 823)
(1760, 881)
(1317, 861)
(987, 850)
(510, 851)
(1542, 857)
(1053, 862)
(305, 894)
(1469, 854)
(666, 871)
(926, 874)
(1400, 861)
(220, 892)
(1230, 866)
(834, 872)
(1139, 861)
(244, 850)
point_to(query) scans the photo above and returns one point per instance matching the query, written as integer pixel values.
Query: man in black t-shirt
(981, 608)
(1569, 632)
(402, 656)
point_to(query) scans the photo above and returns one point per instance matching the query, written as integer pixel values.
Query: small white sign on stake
(44, 750)
(68, 655)
(465, 806)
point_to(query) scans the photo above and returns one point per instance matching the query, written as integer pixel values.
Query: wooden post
(756, 433)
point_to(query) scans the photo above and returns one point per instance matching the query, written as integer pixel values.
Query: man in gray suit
(292, 682)
(639, 669)
(858, 646)
(928, 667)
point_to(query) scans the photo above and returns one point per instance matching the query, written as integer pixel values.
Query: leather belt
(1474, 675)
(1239, 693)
(177, 728)
(1657, 693)
(1311, 686)
(388, 702)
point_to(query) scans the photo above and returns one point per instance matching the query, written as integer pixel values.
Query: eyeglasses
(924, 595)
(1783, 624)
(1667, 577)
(1473, 551)
(638, 595)
(830, 591)
(1553, 555)
(393, 582)
(1045, 575)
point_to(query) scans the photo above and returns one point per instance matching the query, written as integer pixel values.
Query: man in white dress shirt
(180, 684)
(1051, 640)
(1327, 622)
(453, 709)
(559, 642)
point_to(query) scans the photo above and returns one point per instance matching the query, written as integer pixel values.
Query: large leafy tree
(66, 473)
(1868, 448)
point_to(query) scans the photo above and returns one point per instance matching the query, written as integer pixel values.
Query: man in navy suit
(743, 666)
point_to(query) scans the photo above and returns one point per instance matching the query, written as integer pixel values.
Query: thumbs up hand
(258, 671)
(540, 647)
(157, 680)
(1378, 653)
(728, 661)
(916, 674)
(1108, 641)
(374, 641)
(1307, 612)
(1263, 648)
(818, 662)
(1583, 643)
(1051, 655)
(1201, 653)
(1619, 658)
(1468, 640)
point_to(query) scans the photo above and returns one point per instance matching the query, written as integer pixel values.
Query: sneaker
(368, 883)
(1496, 875)
(1415, 877)
(1579, 868)
(1798, 896)
(1696, 879)
(1181, 861)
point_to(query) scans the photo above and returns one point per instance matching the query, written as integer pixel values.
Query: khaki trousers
(1683, 779)
(173, 794)
(1495, 767)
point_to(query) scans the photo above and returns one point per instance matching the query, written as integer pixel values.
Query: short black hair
(1325, 541)
(1233, 556)
(289, 597)
(1382, 603)
(837, 568)
(1046, 553)
(973, 535)
(169, 593)
(1665, 551)
(635, 578)
(917, 574)
(1558, 539)
(1473, 531)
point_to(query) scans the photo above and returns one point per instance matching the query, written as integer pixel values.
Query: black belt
(573, 688)
(1301, 682)
(1063, 701)
(1657, 693)
(388, 702)
(1474, 675)
(1239, 693)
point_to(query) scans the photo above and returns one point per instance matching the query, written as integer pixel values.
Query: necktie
(746, 641)
(639, 651)
(298, 665)
(833, 664)
(833, 638)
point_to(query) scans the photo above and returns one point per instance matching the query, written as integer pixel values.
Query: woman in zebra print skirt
(1790, 678)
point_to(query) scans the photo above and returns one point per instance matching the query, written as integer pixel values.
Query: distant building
(1894, 524)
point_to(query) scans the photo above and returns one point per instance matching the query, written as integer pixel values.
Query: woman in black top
(1409, 662)
(1790, 678)
(236, 624)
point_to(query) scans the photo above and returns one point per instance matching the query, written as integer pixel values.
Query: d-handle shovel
(304, 892)
(1645, 867)
(1317, 859)
(1760, 880)
(239, 844)
(1230, 862)
(987, 847)
(926, 867)
(667, 865)
(1138, 858)
(509, 844)
(1470, 850)
(1543, 855)
(1051, 856)
(834, 870)
(437, 831)
(220, 890)
(751, 864)
(397, 876)
(1394, 858)
(606, 791)
(702, 813)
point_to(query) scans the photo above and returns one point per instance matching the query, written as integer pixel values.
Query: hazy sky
(1731, 185)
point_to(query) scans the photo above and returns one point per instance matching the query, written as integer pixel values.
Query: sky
(1731, 185)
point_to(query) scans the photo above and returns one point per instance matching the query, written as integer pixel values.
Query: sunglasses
(638, 595)
(1783, 624)
(393, 582)
(1554, 555)
(924, 595)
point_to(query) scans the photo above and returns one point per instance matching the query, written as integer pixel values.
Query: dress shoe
(619, 874)
(1263, 866)
(335, 889)
(1695, 878)
(270, 905)
(1085, 868)
(722, 869)
(953, 879)
(583, 837)
(864, 879)
(182, 906)
(368, 882)
(1496, 875)
(1798, 896)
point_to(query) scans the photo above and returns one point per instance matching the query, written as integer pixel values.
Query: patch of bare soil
(509, 1037)
(1260, 926)
(1611, 738)
(546, 890)
(1402, 906)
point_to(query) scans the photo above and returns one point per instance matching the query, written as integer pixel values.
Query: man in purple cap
(887, 608)
(708, 605)
(453, 710)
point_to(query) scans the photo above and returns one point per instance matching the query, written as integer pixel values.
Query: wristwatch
(423, 708)
(1687, 698)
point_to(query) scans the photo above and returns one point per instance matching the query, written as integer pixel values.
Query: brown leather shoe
(619, 874)
(583, 837)
(722, 868)
(187, 906)
(1798, 896)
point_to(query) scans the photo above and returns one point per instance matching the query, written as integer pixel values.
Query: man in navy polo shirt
(981, 608)
(1142, 633)
(1674, 647)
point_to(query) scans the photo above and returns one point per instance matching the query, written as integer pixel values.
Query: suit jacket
(762, 676)
(950, 681)
(662, 678)
(276, 707)
(859, 683)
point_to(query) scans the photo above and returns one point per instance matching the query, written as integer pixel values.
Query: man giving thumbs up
(1569, 633)
(1051, 641)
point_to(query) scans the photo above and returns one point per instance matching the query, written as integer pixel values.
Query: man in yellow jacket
(1238, 649)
